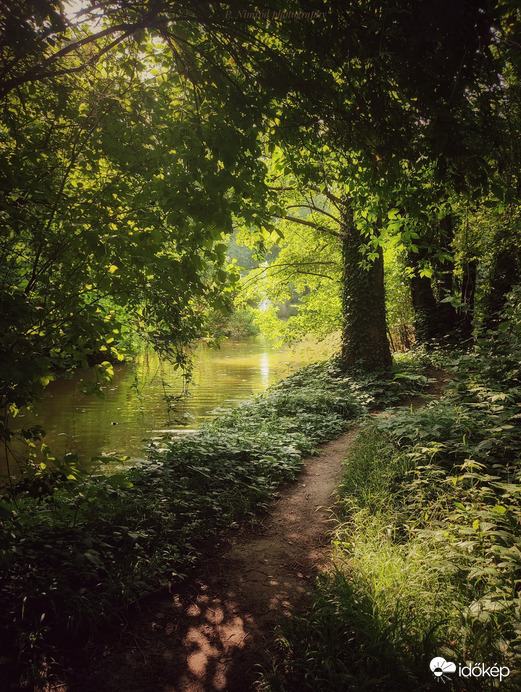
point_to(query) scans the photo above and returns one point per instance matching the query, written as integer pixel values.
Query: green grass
(427, 551)
(73, 557)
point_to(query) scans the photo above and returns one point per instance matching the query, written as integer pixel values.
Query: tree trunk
(364, 334)
(434, 319)
(447, 316)
(468, 294)
(424, 304)
(503, 276)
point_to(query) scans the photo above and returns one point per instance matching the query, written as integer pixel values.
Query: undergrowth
(76, 556)
(427, 559)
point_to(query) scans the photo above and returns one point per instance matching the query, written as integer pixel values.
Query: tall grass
(427, 551)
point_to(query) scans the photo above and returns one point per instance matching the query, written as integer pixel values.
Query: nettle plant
(81, 551)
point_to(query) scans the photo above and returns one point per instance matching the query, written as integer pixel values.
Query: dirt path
(213, 635)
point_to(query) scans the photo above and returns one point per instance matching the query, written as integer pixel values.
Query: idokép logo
(441, 669)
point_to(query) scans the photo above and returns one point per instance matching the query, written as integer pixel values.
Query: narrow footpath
(213, 634)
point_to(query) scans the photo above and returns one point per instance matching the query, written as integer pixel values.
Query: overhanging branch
(316, 226)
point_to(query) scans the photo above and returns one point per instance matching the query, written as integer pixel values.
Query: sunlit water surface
(134, 410)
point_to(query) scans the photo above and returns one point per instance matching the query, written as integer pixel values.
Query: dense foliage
(369, 153)
(114, 194)
(134, 136)
(327, 99)
(78, 554)
(428, 557)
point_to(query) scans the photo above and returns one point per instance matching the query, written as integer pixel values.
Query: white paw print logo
(440, 667)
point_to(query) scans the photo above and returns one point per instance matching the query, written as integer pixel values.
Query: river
(133, 408)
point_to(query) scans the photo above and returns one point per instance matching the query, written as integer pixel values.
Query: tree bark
(447, 316)
(424, 304)
(434, 319)
(468, 295)
(364, 335)
(504, 275)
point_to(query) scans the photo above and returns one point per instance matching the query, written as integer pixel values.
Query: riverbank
(148, 398)
(79, 556)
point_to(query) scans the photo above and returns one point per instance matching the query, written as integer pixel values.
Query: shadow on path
(213, 634)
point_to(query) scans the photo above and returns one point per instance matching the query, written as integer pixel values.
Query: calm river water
(134, 410)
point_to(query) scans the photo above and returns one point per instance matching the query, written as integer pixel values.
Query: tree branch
(303, 222)
(314, 208)
(40, 72)
(336, 201)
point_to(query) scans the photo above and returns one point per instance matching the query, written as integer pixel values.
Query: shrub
(76, 556)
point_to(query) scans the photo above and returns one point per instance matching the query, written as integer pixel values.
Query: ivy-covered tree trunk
(424, 305)
(364, 334)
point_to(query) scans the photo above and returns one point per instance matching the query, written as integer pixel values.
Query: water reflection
(265, 369)
(134, 406)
